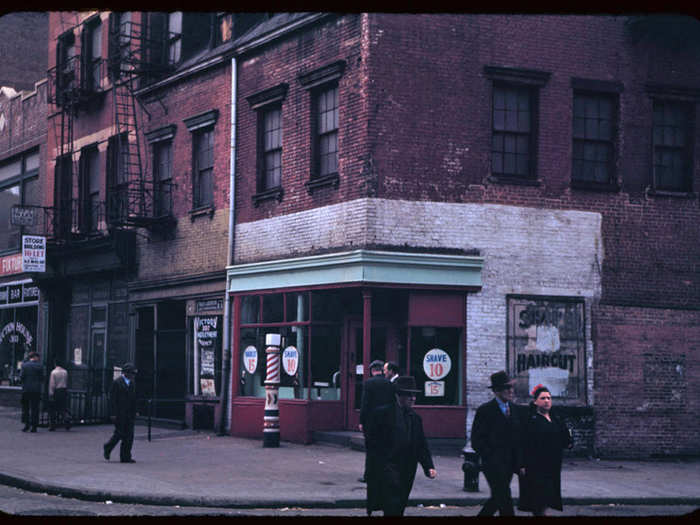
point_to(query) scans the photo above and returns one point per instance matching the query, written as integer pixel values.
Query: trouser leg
(501, 500)
(34, 409)
(116, 437)
(127, 442)
(25, 410)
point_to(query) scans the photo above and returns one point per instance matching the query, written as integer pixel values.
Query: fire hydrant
(470, 467)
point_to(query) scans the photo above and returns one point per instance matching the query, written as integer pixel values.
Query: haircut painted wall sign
(546, 344)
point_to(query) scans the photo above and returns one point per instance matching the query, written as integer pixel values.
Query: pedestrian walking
(123, 403)
(544, 437)
(496, 438)
(375, 369)
(378, 399)
(58, 398)
(32, 377)
(409, 447)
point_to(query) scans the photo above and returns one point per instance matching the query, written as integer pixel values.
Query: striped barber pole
(271, 419)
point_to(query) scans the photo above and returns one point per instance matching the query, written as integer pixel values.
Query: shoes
(105, 452)
(26, 427)
(130, 460)
(33, 429)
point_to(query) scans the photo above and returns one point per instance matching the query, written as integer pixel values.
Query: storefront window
(437, 365)
(307, 342)
(206, 358)
(17, 339)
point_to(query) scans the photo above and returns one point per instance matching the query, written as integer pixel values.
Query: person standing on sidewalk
(375, 369)
(32, 376)
(378, 399)
(391, 371)
(58, 397)
(408, 448)
(544, 438)
(123, 402)
(496, 438)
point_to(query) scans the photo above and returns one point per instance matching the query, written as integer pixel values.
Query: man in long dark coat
(408, 448)
(378, 401)
(123, 402)
(496, 438)
(32, 376)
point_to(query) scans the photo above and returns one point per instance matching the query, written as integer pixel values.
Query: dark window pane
(497, 163)
(273, 305)
(509, 163)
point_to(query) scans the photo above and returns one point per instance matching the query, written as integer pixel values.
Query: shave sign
(436, 364)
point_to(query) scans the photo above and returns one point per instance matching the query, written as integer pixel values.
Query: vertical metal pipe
(226, 386)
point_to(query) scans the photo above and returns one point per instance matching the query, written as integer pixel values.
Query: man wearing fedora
(123, 402)
(378, 399)
(495, 437)
(408, 447)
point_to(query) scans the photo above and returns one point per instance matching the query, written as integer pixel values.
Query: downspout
(226, 387)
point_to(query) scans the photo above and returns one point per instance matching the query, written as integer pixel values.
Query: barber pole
(271, 422)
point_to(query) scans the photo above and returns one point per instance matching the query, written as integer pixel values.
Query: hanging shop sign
(33, 253)
(436, 364)
(250, 359)
(11, 264)
(290, 360)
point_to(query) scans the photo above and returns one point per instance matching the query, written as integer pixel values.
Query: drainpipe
(226, 387)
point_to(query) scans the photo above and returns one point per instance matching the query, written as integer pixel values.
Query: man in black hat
(377, 399)
(408, 447)
(123, 400)
(495, 437)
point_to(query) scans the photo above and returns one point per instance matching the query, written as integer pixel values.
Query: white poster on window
(250, 359)
(33, 253)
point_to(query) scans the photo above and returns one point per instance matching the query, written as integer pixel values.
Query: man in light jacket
(58, 397)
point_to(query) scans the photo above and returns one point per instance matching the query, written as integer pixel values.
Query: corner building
(463, 194)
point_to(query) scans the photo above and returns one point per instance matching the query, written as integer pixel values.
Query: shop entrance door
(354, 364)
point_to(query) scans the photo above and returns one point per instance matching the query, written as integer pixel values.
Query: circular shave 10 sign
(290, 360)
(436, 364)
(250, 359)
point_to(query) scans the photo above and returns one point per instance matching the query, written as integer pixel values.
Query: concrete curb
(321, 503)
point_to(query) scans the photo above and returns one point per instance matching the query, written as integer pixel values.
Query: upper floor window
(65, 66)
(513, 137)
(672, 145)
(18, 186)
(118, 177)
(174, 37)
(593, 138)
(203, 182)
(121, 28)
(92, 55)
(326, 132)
(271, 155)
(268, 104)
(202, 128)
(90, 210)
(163, 176)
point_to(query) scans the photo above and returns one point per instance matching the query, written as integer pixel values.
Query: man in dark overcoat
(378, 401)
(32, 376)
(408, 448)
(496, 438)
(123, 403)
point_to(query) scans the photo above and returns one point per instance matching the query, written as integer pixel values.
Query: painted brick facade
(422, 91)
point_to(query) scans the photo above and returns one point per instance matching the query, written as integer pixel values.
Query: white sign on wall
(290, 360)
(436, 364)
(250, 359)
(33, 253)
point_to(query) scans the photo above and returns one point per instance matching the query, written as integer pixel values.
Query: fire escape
(135, 201)
(78, 86)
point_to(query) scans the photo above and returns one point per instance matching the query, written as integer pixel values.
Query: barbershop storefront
(335, 314)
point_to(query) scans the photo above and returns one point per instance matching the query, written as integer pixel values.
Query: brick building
(457, 193)
(23, 111)
(492, 192)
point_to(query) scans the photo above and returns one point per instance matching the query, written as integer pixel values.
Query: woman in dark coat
(544, 438)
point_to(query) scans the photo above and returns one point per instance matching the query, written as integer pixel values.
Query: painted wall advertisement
(546, 344)
(208, 345)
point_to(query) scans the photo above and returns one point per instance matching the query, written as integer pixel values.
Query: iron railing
(74, 81)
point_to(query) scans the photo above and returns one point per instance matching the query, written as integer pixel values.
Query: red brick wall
(647, 381)
(23, 48)
(298, 53)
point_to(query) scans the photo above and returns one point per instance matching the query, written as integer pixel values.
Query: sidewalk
(190, 468)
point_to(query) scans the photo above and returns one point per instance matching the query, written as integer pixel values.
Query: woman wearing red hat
(545, 436)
